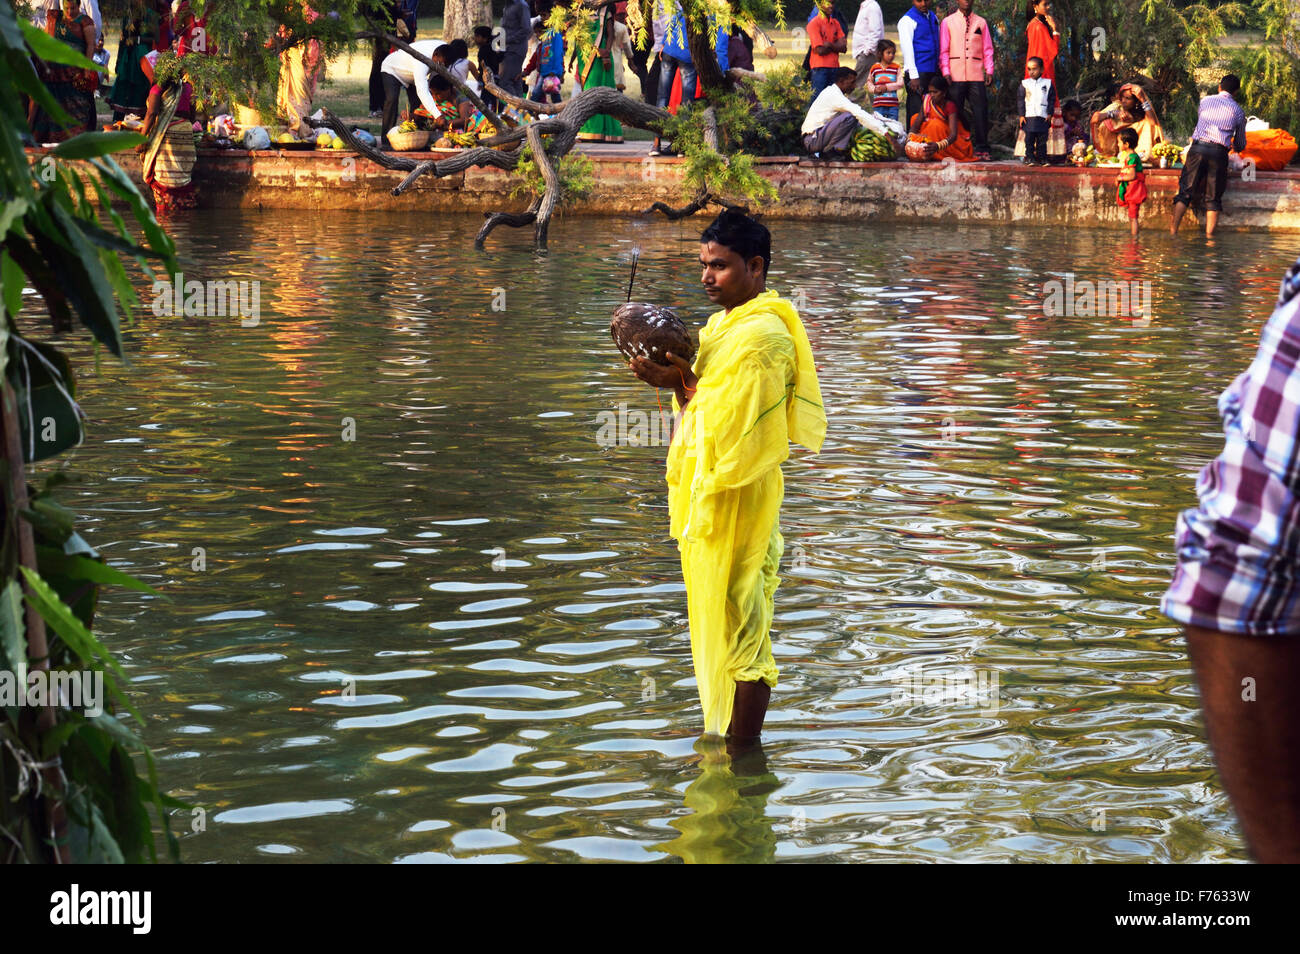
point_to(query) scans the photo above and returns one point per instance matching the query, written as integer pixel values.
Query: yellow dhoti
(757, 391)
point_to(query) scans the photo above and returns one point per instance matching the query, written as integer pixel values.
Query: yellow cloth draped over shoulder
(757, 391)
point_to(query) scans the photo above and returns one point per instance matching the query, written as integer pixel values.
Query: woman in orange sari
(1045, 44)
(937, 132)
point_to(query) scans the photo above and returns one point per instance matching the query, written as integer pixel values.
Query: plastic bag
(257, 138)
(1270, 149)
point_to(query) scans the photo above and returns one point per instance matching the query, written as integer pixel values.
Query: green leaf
(51, 50)
(23, 75)
(13, 642)
(91, 144)
(54, 562)
(46, 397)
(14, 281)
(120, 183)
(103, 847)
(10, 32)
(13, 209)
(50, 519)
(82, 276)
(116, 729)
(106, 239)
(59, 616)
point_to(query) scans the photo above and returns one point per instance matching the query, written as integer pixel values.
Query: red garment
(1134, 195)
(675, 97)
(190, 38)
(1044, 46)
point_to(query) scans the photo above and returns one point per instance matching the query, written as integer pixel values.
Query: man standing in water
(1237, 589)
(752, 390)
(1220, 126)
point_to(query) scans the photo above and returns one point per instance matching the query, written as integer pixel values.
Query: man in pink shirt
(966, 60)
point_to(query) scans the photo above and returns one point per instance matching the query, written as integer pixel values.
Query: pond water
(417, 611)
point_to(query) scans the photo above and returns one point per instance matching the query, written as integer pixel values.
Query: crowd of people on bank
(946, 67)
(927, 94)
(943, 70)
(149, 84)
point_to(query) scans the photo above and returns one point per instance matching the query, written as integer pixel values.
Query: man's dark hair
(1230, 84)
(844, 72)
(743, 235)
(443, 52)
(457, 50)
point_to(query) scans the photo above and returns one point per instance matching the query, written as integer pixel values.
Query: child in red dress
(1131, 183)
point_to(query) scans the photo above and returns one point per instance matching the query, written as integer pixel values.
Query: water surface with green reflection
(462, 635)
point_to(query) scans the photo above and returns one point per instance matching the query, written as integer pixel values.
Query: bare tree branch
(702, 201)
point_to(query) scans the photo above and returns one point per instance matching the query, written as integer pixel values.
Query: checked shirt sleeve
(1239, 550)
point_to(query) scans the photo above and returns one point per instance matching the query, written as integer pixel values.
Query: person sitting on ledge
(833, 119)
(938, 130)
(1130, 108)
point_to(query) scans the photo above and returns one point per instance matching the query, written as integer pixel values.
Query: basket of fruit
(1167, 154)
(406, 137)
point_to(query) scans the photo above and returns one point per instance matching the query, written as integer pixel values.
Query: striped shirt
(1239, 550)
(1221, 120)
(880, 73)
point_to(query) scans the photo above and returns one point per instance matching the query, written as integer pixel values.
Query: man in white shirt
(833, 119)
(400, 70)
(868, 31)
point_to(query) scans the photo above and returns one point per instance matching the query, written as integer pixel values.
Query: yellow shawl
(752, 362)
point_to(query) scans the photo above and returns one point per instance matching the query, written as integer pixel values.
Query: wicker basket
(407, 141)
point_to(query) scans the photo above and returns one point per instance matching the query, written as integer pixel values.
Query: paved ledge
(628, 181)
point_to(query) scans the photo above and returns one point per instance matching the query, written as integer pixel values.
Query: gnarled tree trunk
(460, 17)
(705, 57)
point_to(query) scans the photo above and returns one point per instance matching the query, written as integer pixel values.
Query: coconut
(651, 331)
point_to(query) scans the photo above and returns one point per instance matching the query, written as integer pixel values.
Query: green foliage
(727, 172)
(238, 65)
(577, 174)
(61, 236)
(1270, 73)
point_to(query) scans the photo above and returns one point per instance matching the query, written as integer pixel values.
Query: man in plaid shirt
(1236, 589)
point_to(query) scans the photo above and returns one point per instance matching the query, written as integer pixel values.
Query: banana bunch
(869, 147)
(1169, 151)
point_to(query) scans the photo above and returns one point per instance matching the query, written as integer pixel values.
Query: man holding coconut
(752, 389)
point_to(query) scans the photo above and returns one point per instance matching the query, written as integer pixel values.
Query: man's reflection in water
(728, 823)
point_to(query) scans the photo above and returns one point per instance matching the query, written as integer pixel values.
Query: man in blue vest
(918, 40)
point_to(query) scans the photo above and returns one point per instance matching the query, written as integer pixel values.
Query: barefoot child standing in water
(752, 390)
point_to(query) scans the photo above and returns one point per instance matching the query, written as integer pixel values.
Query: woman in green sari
(139, 30)
(73, 88)
(596, 69)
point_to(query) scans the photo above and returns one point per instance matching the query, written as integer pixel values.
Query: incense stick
(635, 255)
